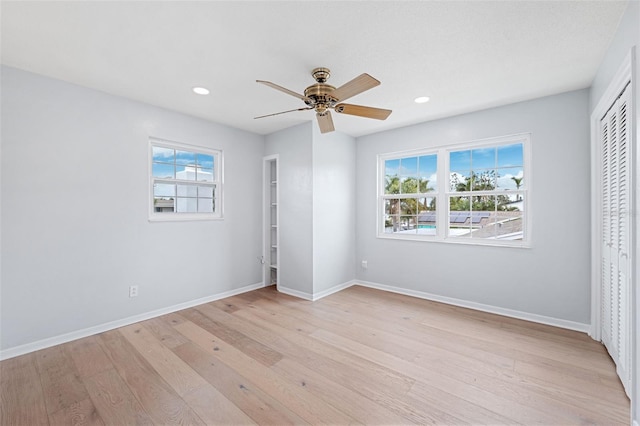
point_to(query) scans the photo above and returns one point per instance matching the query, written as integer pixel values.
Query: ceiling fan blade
(282, 89)
(357, 85)
(283, 112)
(325, 122)
(363, 111)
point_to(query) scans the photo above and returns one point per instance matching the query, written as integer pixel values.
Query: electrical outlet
(133, 291)
(365, 265)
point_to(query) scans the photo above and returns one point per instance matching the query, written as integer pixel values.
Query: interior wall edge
(101, 328)
(295, 293)
(336, 288)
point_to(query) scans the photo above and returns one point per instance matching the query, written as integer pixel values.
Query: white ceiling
(465, 55)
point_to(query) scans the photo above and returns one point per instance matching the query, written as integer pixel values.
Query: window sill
(463, 241)
(168, 217)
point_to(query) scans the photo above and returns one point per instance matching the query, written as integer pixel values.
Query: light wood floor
(358, 356)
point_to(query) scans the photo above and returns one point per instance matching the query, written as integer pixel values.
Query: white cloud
(506, 181)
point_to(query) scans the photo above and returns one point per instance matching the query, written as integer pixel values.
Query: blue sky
(164, 158)
(486, 158)
(506, 159)
(424, 167)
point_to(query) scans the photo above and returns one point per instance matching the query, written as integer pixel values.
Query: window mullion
(442, 206)
(185, 182)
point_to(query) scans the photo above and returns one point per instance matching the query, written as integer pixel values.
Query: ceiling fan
(323, 97)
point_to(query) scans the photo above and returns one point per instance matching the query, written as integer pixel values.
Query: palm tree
(404, 206)
(518, 181)
(392, 186)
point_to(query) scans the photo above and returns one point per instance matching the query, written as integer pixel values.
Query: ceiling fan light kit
(323, 97)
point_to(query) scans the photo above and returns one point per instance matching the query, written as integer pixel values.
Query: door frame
(266, 213)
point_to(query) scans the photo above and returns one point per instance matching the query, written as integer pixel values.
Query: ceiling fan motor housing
(319, 94)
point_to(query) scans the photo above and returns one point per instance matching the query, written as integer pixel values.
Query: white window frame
(443, 192)
(217, 182)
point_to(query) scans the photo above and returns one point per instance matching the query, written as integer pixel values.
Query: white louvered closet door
(616, 193)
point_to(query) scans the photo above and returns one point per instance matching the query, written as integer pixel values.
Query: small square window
(186, 182)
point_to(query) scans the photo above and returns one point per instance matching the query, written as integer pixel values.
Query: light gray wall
(294, 146)
(626, 38)
(334, 238)
(316, 206)
(75, 189)
(552, 277)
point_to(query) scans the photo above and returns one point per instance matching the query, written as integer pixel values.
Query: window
(186, 182)
(409, 197)
(474, 193)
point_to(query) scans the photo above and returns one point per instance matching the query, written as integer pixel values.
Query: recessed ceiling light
(421, 99)
(201, 90)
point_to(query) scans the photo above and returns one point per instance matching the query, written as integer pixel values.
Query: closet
(271, 221)
(616, 201)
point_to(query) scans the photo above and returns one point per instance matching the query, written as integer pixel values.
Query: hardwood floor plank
(401, 306)
(159, 400)
(479, 396)
(449, 361)
(21, 395)
(331, 392)
(162, 328)
(215, 312)
(362, 408)
(588, 395)
(215, 409)
(78, 414)
(357, 372)
(474, 348)
(114, 401)
(252, 348)
(259, 406)
(377, 387)
(60, 380)
(296, 398)
(418, 337)
(225, 305)
(509, 327)
(210, 405)
(169, 367)
(88, 356)
(536, 390)
(552, 350)
(354, 385)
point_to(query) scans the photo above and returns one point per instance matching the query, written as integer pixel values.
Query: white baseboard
(541, 319)
(334, 289)
(315, 296)
(90, 331)
(295, 293)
